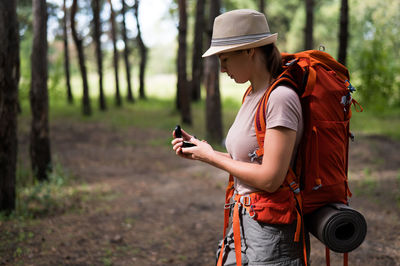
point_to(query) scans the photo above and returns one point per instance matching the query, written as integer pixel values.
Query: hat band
(239, 39)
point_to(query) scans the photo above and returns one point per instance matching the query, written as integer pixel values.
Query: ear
(250, 52)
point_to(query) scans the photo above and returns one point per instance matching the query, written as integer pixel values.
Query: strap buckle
(228, 206)
(245, 200)
(294, 187)
(349, 86)
(253, 155)
(252, 213)
(291, 62)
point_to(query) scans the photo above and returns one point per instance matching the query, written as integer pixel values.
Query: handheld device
(178, 134)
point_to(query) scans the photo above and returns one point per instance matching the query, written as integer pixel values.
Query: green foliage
(42, 198)
(25, 65)
(374, 51)
(378, 75)
(56, 70)
(35, 199)
(25, 15)
(237, 4)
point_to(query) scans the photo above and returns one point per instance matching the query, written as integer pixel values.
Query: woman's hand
(177, 147)
(185, 135)
(202, 151)
(177, 143)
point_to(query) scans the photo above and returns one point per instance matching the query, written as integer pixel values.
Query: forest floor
(133, 202)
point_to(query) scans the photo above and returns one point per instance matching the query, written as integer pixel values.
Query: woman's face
(236, 65)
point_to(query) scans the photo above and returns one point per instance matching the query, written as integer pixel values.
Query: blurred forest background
(89, 88)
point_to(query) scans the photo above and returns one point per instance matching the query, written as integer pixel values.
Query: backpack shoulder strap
(249, 89)
(260, 119)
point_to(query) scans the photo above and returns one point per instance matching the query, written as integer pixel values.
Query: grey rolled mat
(341, 228)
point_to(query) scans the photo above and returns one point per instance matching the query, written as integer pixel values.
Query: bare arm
(278, 149)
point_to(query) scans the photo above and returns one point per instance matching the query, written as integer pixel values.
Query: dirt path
(145, 206)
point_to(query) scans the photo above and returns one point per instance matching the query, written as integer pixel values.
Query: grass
(398, 187)
(60, 193)
(367, 184)
(35, 198)
(372, 121)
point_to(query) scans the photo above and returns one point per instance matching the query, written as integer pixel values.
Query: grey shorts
(264, 244)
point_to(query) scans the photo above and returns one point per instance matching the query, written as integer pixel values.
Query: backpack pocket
(326, 153)
(273, 208)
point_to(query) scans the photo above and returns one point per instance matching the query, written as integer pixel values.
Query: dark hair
(273, 59)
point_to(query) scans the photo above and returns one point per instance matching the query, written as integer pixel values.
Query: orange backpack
(320, 171)
(325, 94)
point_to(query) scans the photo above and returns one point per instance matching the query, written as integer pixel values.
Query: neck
(260, 80)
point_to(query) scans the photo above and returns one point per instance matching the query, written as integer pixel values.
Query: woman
(247, 52)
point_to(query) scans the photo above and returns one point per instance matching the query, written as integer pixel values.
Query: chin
(240, 81)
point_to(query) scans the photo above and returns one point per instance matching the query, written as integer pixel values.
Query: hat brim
(234, 47)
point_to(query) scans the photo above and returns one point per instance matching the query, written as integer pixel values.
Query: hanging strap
(356, 104)
(227, 209)
(315, 163)
(305, 63)
(236, 234)
(300, 230)
(328, 257)
(346, 259)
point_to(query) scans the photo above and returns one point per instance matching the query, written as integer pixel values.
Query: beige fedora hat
(239, 29)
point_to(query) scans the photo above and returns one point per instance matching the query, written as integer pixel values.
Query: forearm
(225, 154)
(267, 176)
(262, 177)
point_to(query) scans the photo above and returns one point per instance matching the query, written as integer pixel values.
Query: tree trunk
(213, 100)
(118, 101)
(143, 53)
(9, 77)
(66, 55)
(343, 32)
(183, 85)
(39, 139)
(197, 62)
(99, 55)
(308, 37)
(261, 6)
(130, 97)
(86, 109)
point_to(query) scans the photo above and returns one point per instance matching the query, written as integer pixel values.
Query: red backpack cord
(328, 257)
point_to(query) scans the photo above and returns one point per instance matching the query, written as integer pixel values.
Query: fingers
(185, 135)
(176, 140)
(194, 140)
(179, 150)
(177, 144)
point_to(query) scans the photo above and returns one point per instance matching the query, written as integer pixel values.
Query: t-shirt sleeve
(283, 109)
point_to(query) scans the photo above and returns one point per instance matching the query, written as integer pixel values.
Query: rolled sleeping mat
(341, 228)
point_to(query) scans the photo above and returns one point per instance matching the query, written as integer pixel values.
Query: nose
(222, 66)
(223, 69)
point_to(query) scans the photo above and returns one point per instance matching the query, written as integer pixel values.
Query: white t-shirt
(283, 109)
